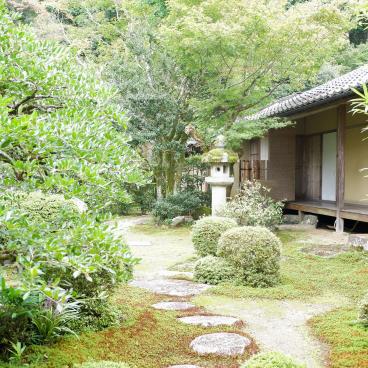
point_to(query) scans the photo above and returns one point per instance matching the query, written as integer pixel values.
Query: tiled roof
(327, 92)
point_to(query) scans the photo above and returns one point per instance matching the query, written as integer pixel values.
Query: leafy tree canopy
(243, 51)
(61, 130)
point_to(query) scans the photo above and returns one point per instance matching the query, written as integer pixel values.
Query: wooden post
(340, 169)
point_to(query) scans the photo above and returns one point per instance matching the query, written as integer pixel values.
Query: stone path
(209, 321)
(222, 343)
(169, 287)
(159, 282)
(275, 325)
(174, 306)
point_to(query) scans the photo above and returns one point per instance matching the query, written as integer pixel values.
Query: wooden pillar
(340, 169)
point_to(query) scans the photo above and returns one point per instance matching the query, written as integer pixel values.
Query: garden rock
(309, 220)
(291, 219)
(180, 220)
(209, 321)
(359, 241)
(176, 221)
(171, 287)
(177, 306)
(222, 343)
(80, 205)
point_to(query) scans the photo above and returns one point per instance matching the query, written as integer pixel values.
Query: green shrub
(214, 270)
(255, 251)
(207, 231)
(86, 259)
(52, 209)
(253, 207)
(189, 202)
(96, 315)
(271, 360)
(363, 310)
(101, 364)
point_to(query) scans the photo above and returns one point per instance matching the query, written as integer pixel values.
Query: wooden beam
(340, 166)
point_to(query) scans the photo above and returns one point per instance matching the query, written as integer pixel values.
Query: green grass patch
(148, 339)
(347, 339)
(304, 276)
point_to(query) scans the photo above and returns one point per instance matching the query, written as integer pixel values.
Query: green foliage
(214, 270)
(39, 207)
(271, 360)
(207, 231)
(193, 173)
(219, 154)
(245, 130)
(17, 351)
(255, 251)
(61, 128)
(253, 207)
(241, 51)
(189, 202)
(97, 314)
(363, 311)
(101, 364)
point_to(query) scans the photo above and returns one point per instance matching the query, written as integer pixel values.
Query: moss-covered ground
(147, 339)
(154, 339)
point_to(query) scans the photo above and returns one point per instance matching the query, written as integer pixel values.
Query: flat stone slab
(325, 251)
(209, 321)
(222, 343)
(171, 287)
(178, 306)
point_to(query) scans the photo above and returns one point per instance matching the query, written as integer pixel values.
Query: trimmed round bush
(54, 209)
(271, 360)
(214, 270)
(363, 311)
(207, 231)
(255, 251)
(101, 364)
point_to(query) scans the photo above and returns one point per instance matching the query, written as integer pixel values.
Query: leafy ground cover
(348, 340)
(305, 276)
(148, 338)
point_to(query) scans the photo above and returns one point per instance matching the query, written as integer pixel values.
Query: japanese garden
(183, 183)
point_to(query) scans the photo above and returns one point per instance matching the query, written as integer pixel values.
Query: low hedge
(255, 251)
(271, 360)
(214, 270)
(207, 231)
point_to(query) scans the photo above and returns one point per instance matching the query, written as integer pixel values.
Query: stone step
(222, 343)
(209, 321)
(181, 288)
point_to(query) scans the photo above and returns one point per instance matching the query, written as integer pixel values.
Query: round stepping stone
(171, 287)
(178, 306)
(209, 321)
(222, 343)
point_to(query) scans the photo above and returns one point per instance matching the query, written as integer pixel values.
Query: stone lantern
(221, 177)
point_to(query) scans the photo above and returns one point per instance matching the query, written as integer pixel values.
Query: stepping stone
(178, 306)
(223, 343)
(171, 287)
(209, 321)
